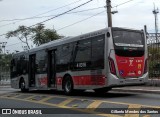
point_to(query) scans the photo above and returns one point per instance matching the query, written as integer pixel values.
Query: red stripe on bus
(78, 80)
(89, 80)
(43, 81)
(59, 80)
(86, 80)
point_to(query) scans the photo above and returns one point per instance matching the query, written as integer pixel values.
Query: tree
(42, 35)
(23, 33)
(4, 64)
(39, 35)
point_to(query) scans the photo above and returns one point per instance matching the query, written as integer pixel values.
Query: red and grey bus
(99, 61)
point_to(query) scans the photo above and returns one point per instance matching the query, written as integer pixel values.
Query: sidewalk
(139, 89)
(153, 86)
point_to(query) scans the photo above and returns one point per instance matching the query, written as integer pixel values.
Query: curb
(137, 90)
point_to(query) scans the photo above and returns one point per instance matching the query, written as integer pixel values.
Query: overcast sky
(134, 14)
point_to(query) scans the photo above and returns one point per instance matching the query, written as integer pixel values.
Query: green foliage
(42, 35)
(154, 59)
(39, 35)
(5, 62)
(23, 33)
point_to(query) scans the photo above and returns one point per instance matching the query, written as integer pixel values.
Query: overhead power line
(62, 13)
(81, 11)
(32, 17)
(57, 15)
(49, 16)
(53, 16)
(42, 13)
(122, 3)
(37, 17)
(80, 21)
(67, 25)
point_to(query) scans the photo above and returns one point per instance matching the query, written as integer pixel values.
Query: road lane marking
(133, 106)
(66, 107)
(45, 99)
(30, 97)
(65, 102)
(63, 105)
(106, 101)
(97, 100)
(16, 95)
(94, 105)
(11, 95)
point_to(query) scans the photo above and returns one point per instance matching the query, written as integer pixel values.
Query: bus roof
(63, 41)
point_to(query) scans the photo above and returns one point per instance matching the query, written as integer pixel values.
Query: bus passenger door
(52, 68)
(32, 67)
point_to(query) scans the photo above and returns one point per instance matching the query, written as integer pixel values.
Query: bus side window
(83, 55)
(41, 62)
(98, 52)
(64, 54)
(11, 67)
(23, 65)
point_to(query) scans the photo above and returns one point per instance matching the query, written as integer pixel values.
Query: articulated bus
(99, 61)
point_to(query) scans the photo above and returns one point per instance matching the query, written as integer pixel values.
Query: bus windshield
(126, 41)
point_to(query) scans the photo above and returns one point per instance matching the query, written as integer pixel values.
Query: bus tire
(68, 85)
(22, 86)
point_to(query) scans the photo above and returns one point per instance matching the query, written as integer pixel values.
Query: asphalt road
(124, 97)
(11, 98)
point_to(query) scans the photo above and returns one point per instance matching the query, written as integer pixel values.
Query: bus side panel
(41, 81)
(84, 79)
(15, 82)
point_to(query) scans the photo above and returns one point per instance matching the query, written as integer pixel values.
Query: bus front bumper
(114, 81)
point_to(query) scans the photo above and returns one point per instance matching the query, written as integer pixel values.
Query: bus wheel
(68, 86)
(22, 86)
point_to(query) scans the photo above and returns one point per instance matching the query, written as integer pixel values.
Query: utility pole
(109, 12)
(145, 29)
(155, 12)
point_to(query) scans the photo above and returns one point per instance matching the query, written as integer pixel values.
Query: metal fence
(153, 41)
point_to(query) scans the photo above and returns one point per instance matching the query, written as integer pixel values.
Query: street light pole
(155, 12)
(3, 46)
